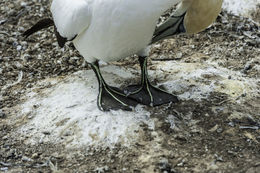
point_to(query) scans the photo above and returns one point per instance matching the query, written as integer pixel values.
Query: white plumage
(109, 30)
(71, 17)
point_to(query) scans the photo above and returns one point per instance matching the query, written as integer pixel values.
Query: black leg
(110, 98)
(145, 93)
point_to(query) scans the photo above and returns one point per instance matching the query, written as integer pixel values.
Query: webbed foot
(111, 98)
(146, 93)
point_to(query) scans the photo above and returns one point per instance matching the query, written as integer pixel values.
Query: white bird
(110, 30)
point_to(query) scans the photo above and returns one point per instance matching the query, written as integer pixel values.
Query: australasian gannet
(110, 30)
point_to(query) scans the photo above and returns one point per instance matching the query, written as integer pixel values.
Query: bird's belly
(114, 43)
(113, 36)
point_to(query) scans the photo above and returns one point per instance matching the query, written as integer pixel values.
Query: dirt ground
(211, 135)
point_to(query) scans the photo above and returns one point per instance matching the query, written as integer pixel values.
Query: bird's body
(110, 30)
(113, 29)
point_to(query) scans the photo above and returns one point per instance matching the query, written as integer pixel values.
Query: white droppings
(171, 120)
(65, 111)
(197, 81)
(241, 7)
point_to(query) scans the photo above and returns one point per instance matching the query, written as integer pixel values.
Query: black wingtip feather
(61, 40)
(44, 23)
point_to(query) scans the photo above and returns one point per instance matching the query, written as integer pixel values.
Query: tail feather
(44, 23)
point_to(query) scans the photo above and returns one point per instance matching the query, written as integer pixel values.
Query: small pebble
(2, 114)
